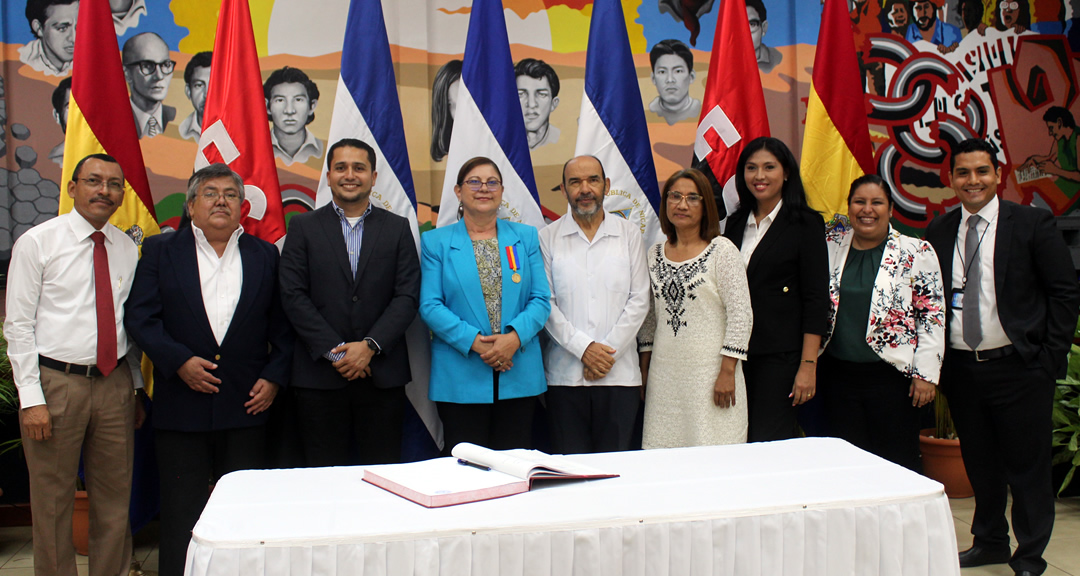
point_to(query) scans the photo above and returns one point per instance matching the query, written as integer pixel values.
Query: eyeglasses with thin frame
(147, 67)
(98, 183)
(675, 198)
(211, 197)
(475, 184)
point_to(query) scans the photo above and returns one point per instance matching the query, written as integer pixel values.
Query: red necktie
(106, 315)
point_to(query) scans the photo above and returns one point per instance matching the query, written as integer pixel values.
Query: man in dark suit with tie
(1012, 307)
(205, 308)
(350, 284)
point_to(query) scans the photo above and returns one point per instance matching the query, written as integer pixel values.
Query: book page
(524, 463)
(441, 476)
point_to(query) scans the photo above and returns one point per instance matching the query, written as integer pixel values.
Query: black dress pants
(356, 424)
(769, 379)
(589, 419)
(189, 462)
(1002, 409)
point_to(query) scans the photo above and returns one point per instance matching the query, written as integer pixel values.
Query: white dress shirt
(189, 128)
(312, 147)
(33, 55)
(220, 278)
(755, 231)
(51, 298)
(141, 118)
(993, 334)
(599, 293)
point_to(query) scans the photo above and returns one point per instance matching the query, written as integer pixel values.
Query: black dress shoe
(1025, 573)
(978, 556)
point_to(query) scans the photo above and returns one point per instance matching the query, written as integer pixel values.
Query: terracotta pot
(80, 523)
(941, 461)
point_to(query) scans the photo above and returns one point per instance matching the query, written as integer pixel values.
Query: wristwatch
(374, 347)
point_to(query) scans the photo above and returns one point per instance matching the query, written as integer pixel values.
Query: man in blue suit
(204, 306)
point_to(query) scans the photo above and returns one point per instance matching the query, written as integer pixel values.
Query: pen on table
(465, 462)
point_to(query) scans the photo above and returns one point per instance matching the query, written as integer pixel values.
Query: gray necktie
(152, 128)
(972, 329)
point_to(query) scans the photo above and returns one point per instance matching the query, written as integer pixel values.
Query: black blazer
(788, 277)
(327, 306)
(166, 317)
(1037, 293)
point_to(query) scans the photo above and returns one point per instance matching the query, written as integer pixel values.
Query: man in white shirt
(1011, 309)
(600, 294)
(204, 306)
(67, 283)
(148, 69)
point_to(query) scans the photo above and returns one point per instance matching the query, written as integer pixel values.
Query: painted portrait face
(57, 32)
(452, 97)
(1010, 11)
(150, 70)
(672, 79)
(537, 103)
(290, 107)
(898, 16)
(196, 91)
(925, 14)
(62, 117)
(757, 27)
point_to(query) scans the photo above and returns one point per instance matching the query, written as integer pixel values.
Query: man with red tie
(67, 283)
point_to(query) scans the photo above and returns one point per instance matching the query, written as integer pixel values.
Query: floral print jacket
(907, 307)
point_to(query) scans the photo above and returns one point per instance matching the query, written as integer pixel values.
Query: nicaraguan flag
(488, 120)
(366, 107)
(612, 124)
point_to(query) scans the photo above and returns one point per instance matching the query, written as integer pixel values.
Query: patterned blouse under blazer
(907, 308)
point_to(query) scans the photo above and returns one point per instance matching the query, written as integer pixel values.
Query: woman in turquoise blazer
(485, 297)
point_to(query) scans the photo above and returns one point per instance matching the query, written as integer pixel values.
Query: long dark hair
(442, 122)
(791, 193)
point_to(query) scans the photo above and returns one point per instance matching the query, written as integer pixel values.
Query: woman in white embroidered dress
(886, 331)
(699, 325)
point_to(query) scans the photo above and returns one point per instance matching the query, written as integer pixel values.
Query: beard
(925, 24)
(598, 204)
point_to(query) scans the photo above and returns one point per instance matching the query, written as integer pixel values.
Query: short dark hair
(37, 10)
(58, 95)
(538, 69)
(351, 143)
(290, 75)
(791, 193)
(710, 216)
(671, 46)
(603, 174)
(870, 179)
(200, 60)
(1059, 113)
(212, 172)
(476, 163)
(103, 157)
(758, 7)
(972, 145)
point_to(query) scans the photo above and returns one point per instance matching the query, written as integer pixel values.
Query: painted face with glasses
(481, 191)
(148, 69)
(1010, 11)
(684, 205)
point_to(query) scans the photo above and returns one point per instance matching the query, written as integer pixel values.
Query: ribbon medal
(512, 262)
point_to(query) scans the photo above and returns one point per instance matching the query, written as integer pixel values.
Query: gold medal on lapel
(516, 278)
(513, 263)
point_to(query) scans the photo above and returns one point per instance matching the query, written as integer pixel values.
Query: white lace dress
(700, 312)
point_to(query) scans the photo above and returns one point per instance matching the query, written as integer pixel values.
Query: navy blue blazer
(165, 315)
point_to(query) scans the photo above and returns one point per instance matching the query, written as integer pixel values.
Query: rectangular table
(805, 507)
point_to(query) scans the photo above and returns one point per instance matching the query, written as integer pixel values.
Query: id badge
(958, 298)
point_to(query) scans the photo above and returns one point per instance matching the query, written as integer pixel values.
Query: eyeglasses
(97, 183)
(1006, 5)
(475, 184)
(230, 197)
(147, 67)
(675, 198)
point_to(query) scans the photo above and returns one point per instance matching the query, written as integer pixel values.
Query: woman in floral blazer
(882, 352)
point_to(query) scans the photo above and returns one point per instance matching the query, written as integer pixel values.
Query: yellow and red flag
(100, 120)
(236, 130)
(836, 143)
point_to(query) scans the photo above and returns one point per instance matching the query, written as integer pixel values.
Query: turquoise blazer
(452, 305)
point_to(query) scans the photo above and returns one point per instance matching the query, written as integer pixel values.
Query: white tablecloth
(806, 507)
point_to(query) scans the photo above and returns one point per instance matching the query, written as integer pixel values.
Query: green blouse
(856, 288)
(489, 266)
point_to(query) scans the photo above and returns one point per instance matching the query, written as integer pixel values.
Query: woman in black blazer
(782, 242)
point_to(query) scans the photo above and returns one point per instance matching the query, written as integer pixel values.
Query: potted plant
(1066, 420)
(941, 452)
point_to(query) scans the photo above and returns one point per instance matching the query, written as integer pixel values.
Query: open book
(475, 473)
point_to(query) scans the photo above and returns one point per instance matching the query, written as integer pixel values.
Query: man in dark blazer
(350, 284)
(1012, 307)
(205, 308)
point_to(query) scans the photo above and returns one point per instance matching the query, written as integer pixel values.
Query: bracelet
(810, 361)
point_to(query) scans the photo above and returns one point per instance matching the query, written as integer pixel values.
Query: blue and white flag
(488, 120)
(366, 107)
(612, 123)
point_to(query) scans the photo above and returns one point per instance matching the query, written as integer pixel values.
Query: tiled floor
(1063, 553)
